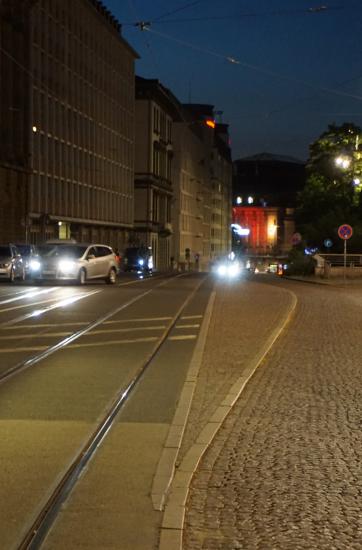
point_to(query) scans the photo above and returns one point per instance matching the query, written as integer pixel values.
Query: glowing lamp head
(210, 123)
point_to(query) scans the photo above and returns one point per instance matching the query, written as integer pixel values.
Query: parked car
(139, 259)
(11, 263)
(28, 253)
(76, 262)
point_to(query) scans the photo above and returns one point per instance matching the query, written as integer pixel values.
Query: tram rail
(46, 516)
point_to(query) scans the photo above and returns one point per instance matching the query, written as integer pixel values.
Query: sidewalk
(283, 469)
(247, 318)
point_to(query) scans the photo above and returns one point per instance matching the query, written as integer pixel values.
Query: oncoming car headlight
(66, 266)
(229, 270)
(234, 269)
(34, 265)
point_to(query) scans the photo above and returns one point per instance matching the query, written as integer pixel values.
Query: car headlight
(233, 270)
(34, 265)
(66, 266)
(221, 270)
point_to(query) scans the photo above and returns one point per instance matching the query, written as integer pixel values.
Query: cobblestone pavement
(284, 472)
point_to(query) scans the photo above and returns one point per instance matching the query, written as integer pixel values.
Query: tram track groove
(47, 515)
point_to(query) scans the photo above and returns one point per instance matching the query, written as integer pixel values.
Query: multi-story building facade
(156, 110)
(74, 101)
(202, 181)
(221, 176)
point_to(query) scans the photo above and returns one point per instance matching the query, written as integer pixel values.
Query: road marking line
(31, 304)
(188, 326)
(15, 350)
(60, 303)
(184, 337)
(111, 342)
(137, 320)
(46, 335)
(191, 317)
(28, 294)
(104, 331)
(45, 325)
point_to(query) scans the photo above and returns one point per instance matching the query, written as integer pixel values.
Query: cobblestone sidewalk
(284, 472)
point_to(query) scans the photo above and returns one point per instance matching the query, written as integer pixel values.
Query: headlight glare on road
(234, 270)
(66, 266)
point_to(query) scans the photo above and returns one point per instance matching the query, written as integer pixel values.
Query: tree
(331, 196)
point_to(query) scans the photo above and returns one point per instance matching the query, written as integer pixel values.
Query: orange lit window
(210, 123)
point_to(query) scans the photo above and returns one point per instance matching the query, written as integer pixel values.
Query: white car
(75, 262)
(11, 263)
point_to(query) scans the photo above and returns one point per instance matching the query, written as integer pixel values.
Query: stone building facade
(156, 111)
(202, 188)
(75, 103)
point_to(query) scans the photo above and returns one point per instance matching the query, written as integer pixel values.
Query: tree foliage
(330, 197)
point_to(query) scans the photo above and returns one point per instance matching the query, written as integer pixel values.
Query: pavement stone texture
(285, 469)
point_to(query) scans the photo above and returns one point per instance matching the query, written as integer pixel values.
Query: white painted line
(30, 293)
(45, 335)
(163, 477)
(113, 342)
(130, 329)
(174, 511)
(187, 326)
(192, 317)
(60, 303)
(184, 337)
(138, 320)
(46, 325)
(31, 304)
(15, 350)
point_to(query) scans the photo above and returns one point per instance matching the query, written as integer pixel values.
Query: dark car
(11, 263)
(29, 255)
(138, 259)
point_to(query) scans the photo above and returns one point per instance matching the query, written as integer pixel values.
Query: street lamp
(343, 162)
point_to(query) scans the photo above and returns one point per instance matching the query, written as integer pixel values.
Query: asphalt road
(96, 339)
(283, 470)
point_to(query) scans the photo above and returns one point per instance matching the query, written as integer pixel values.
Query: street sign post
(345, 232)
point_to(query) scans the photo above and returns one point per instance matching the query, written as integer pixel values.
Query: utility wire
(181, 8)
(267, 72)
(306, 98)
(306, 11)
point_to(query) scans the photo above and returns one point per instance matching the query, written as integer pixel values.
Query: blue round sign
(327, 243)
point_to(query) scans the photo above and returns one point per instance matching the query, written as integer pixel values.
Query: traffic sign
(345, 231)
(327, 243)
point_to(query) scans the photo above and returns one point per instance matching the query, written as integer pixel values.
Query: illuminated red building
(260, 230)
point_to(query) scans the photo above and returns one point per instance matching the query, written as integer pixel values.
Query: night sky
(279, 71)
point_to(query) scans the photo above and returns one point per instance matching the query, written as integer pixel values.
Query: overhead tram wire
(261, 70)
(292, 104)
(305, 11)
(181, 8)
(148, 46)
